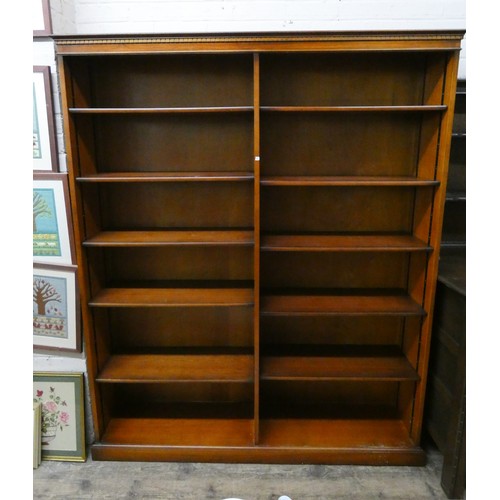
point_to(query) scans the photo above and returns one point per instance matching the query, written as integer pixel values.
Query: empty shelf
(338, 434)
(178, 368)
(167, 177)
(165, 297)
(179, 432)
(322, 242)
(355, 109)
(339, 304)
(184, 237)
(360, 181)
(165, 110)
(347, 364)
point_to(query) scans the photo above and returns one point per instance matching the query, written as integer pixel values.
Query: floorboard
(194, 481)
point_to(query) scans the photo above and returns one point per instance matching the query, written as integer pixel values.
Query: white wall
(203, 16)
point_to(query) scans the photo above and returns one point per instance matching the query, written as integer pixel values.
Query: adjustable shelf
(342, 243)
(302, 180)
(200, 109)
(354, 109)
(167, 177)
(172, 297)
(349, 363)
(144, 368)
(184, 237)
(257, 224)
(340, 303)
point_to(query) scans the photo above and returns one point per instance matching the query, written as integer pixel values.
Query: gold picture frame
(61, 395)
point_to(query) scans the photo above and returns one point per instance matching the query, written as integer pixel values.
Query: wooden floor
(193, 481)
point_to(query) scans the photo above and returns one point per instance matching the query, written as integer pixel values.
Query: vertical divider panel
(256, 230)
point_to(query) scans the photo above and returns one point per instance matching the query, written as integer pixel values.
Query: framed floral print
(52, 224)
(63, 415)
(56, 321)
(42, 23)
(44, 136)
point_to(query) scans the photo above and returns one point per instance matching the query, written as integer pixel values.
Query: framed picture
(42, 23)
(56, 324)
(63, 415)
(52, 224)
(44, 137)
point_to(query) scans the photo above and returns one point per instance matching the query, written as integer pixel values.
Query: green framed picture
(52, 224)
(63, 415)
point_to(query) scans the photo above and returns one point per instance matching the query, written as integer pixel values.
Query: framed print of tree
(56, 319)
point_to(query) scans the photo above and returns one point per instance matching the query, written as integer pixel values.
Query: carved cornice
(258, 38)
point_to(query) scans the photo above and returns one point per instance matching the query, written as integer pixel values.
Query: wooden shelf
(339, 434)
(368, 363)
(179, 432)
(167, 177)
(355, 109)
(346, 181)
(174, 110)
(173, 297)
(177, 368)
(378, 441)
(340, 243)
(345, 303)
(166, 238)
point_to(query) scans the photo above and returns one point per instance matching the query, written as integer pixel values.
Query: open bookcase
(258, 219)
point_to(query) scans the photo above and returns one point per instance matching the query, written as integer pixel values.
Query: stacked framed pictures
(58, 397)
(56, 320)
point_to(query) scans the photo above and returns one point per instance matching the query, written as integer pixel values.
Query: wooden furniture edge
(412, 456)
(247, 41)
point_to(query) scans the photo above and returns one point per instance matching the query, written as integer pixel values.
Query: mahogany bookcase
(258, 220)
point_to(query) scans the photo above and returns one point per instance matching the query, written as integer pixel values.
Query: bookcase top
(260, 41)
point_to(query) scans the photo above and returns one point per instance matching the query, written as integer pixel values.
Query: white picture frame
(40, 18)
(44, 135)
(56, 324)
(52, 223)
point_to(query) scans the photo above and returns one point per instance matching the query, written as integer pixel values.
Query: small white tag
(257, 158)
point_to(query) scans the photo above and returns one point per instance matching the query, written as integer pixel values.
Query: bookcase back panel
(334, 270)
(181, 399)
(337, 209)
(180, 327)
(376, 144)
(177, 205)
(163, 142)
(337, 330)
(171, 80)
(187, 263)
(343, 79)
(314, 398)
